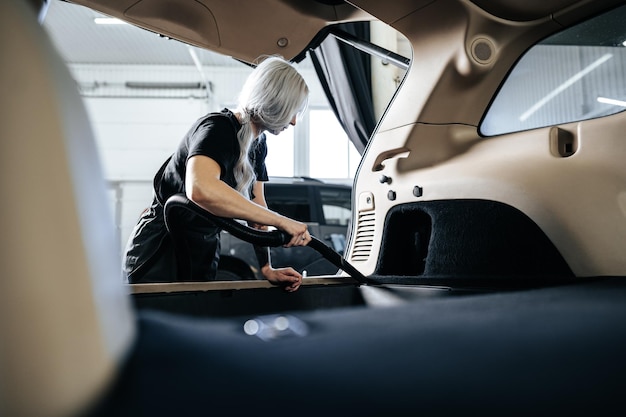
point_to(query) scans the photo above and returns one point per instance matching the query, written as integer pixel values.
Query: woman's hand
(299, 233)
(289, 278)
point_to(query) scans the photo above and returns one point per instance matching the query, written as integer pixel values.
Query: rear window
(336, 205)
(289, 200)
(577, 74)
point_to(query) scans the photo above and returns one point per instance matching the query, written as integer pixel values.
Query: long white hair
(270, 98)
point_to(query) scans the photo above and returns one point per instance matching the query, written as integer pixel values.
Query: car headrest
(65, 319)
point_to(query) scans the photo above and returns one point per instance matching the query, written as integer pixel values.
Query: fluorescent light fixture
(164, 85)
(576, 77)
(606, 100)
(108, 21)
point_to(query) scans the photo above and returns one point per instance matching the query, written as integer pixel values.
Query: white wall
(135, 132)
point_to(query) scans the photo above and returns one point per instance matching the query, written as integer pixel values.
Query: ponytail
(271, 96)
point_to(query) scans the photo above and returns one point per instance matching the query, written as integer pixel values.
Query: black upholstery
(466, 239)
(556, 351)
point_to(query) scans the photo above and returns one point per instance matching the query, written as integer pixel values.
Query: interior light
(611, 101)
(108, 21)
(624, 43)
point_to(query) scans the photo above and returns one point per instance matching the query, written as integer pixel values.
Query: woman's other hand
(288, 278)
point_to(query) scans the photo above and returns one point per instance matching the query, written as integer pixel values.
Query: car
(487, 232)
(324, 207)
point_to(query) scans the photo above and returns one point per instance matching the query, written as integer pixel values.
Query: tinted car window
(575, 75)
(336, 205)
(291, 201)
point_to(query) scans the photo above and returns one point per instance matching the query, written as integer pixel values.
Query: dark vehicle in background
(324, 207)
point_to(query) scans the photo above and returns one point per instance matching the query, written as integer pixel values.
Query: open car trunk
(492, 254)
(437, 203)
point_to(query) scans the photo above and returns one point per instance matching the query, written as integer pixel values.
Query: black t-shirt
(215, 136)
(149, 248)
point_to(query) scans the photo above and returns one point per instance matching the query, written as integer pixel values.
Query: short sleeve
(217, 139)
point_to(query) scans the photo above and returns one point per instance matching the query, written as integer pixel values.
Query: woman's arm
(258, 191)
(205, 188)
(262, 253)
(283, 276)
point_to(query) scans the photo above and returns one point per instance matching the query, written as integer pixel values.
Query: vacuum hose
(257, 237)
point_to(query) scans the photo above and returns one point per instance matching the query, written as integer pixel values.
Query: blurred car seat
(65, 321)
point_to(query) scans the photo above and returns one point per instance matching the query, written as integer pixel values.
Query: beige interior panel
(65, 320)
(558, 193)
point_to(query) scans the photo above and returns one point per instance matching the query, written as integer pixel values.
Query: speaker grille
(482, 50)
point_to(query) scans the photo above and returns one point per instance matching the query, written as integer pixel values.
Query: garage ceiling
(81, 41)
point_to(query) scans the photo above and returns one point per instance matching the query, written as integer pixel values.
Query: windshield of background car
(290, 200)
(577, 74)
(336, 205)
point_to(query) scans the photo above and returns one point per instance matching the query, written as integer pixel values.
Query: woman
(220, 165)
